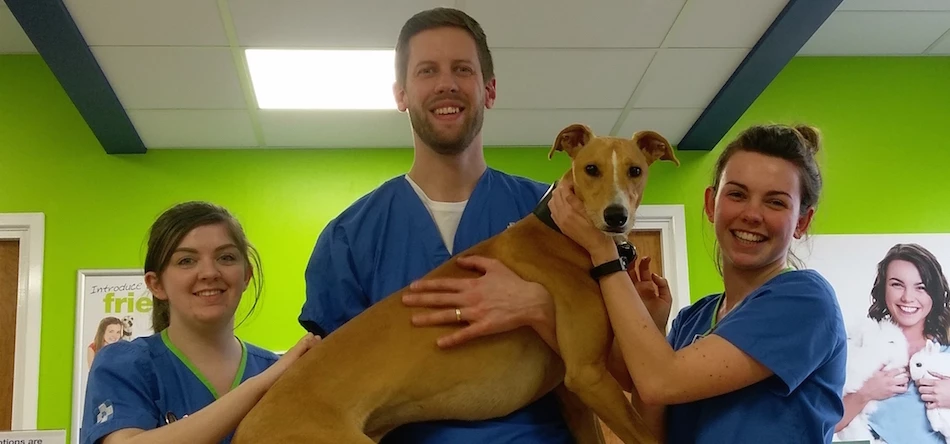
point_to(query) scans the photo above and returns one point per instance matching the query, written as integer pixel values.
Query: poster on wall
(893, 293)
(111, 306)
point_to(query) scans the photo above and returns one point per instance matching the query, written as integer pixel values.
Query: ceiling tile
(336, 129)
(172, 77)
(671, 123)
(306, 23)
(880, 33)
(723, 23)
(540, 127)
(148, 22)
(894, 5)
(686, 78)
(568, 78)
(943, 47)
(194, 128)
(570, 24)
(12, 38)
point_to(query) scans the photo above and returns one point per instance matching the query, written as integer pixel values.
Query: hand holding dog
(496, 302)
(567, 211)
(270, 376)
(935, 393)
(884, 384)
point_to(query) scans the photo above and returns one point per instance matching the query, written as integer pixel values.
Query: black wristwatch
(627, 255)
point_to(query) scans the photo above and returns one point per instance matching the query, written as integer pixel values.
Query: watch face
(628, 253)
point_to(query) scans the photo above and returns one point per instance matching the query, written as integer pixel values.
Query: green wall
(885, 160)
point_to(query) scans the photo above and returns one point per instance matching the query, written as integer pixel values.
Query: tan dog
(378, 371)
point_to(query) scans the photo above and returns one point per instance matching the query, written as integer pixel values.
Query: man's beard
(422, 124)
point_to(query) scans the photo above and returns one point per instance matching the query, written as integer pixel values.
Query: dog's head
(923, 361)
(610, 173)
(127, 326)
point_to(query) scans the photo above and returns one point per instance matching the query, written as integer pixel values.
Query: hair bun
(812, 137)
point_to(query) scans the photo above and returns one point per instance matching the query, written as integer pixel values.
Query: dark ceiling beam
(778, 45)
(56, 37)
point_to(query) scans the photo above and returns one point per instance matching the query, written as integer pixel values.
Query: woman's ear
(803, 222)
(155, 285)
(709, 203)
(248, 275)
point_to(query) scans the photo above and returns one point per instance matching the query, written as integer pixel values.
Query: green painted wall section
(885, 159)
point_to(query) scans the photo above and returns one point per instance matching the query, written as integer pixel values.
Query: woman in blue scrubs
(764, 361)
(193, 380)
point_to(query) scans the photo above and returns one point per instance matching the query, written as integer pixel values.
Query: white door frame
(29, 230)
(670, 220)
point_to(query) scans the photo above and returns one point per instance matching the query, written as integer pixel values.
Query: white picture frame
(102, 294)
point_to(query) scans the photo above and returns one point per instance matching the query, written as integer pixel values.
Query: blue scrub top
(903, 418)
(793, 325)
(135, 384)
(386, 240)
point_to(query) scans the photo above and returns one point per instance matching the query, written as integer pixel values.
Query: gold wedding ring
(458, 314)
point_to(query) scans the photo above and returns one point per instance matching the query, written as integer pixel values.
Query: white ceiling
(884, 27)
(626, 65)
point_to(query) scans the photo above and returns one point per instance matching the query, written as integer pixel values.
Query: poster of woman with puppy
(895, 298)
(111, 306)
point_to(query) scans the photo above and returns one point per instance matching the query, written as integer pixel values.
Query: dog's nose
(615, 216)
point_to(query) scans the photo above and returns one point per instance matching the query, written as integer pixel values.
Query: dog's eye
(634, 172)
(592, 170)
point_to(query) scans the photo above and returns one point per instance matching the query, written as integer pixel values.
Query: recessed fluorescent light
(322, 79)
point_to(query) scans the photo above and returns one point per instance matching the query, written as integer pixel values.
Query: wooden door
(649, 243)
(9, 275)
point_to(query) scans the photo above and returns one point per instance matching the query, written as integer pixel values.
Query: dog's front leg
(579, 417)
(583, 334)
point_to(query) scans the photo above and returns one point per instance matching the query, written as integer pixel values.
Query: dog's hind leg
(579, 417)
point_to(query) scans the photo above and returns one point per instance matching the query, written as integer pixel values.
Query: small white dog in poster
(930, 359)
(871, 344)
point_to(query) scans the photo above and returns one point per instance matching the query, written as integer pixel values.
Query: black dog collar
(544, 212)
(628, 253)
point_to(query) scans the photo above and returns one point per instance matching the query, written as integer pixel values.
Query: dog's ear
(571, 139)
(655, 146)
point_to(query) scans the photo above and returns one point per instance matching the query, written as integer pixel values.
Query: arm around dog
(496, 302)
(133, 412)
(784, 331)
(880, 386)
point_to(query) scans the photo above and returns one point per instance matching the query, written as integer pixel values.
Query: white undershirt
(445, 214)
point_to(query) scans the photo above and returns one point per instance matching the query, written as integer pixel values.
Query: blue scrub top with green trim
(793, 325)
(136, 384)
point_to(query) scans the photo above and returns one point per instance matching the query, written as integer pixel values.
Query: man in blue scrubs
(449, 201)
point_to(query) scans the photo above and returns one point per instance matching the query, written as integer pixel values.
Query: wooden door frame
(670, 220)
(29, 230)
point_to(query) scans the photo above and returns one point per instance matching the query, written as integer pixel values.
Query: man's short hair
(440, 18)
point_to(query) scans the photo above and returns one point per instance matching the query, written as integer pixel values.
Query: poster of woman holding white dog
(897, 388)
(111, 306)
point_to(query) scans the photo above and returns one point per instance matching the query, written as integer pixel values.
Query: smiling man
(449, 201)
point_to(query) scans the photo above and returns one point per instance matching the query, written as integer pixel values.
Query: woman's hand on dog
(495, 302)
(935, 393)
(567, 211)
(270, 376)
(884, 384)
(654, 291)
